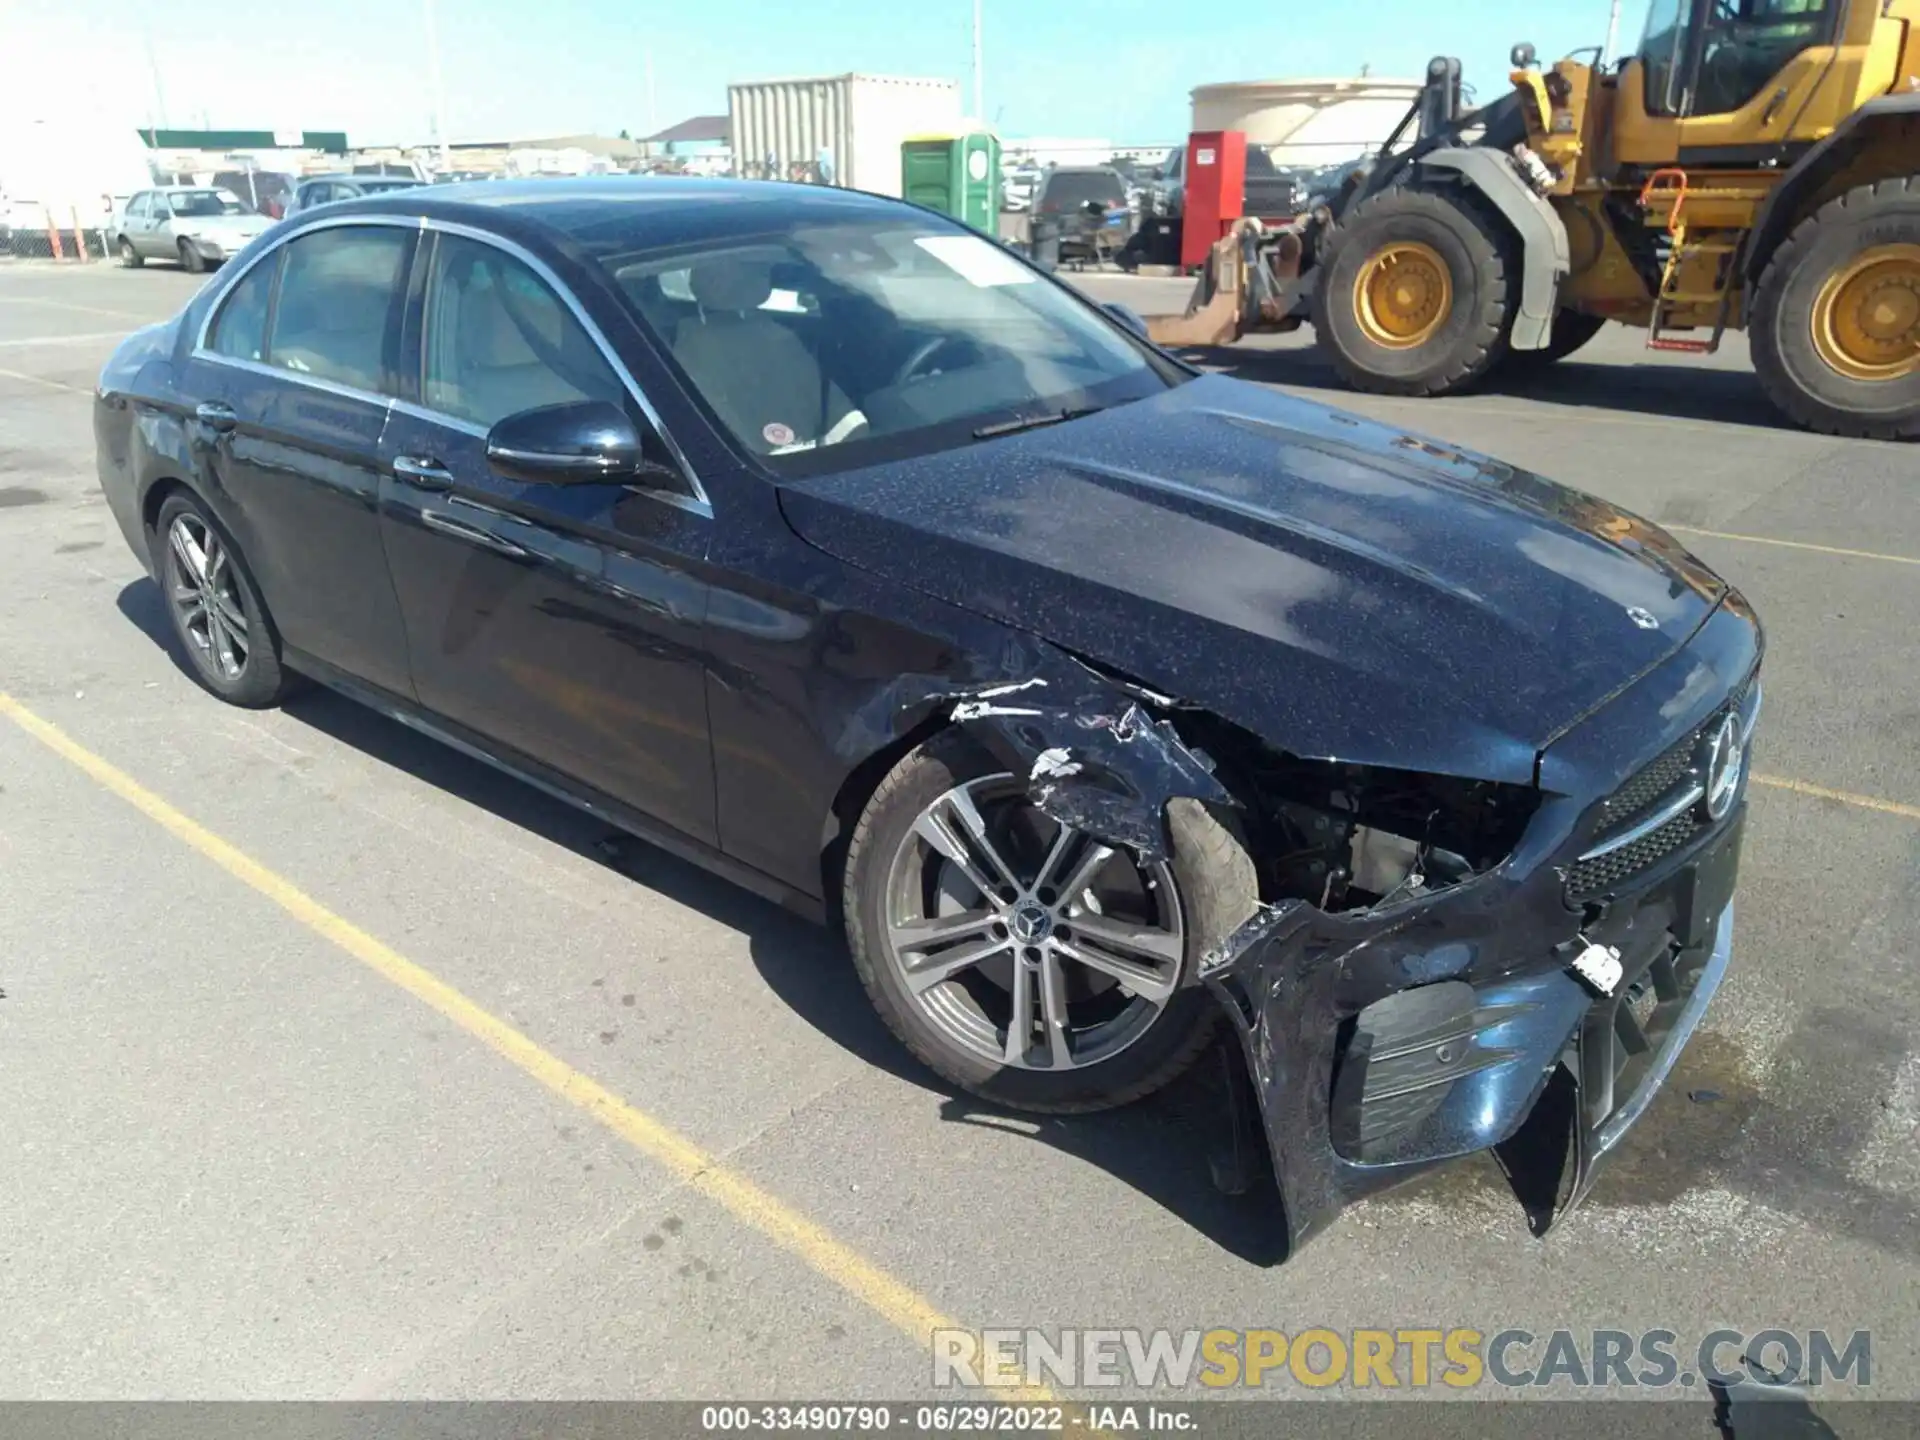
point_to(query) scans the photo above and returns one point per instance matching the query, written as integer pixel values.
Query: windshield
(1660, 54)
(1073, 189)
(831, 345)
(199, 203)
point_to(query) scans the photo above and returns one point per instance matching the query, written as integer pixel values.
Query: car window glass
(837, 338)
(336, 294)
(498, 340)
(199, 204)
(240, 329)
(137, 207)
(1074, 190)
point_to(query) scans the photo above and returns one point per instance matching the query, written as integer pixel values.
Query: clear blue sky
(1118, 69)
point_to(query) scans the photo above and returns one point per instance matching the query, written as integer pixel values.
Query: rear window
(1068, 192)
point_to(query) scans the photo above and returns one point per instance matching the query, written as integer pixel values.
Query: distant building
(702, 135)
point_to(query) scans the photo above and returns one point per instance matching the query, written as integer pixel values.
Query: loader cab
(1744, 82)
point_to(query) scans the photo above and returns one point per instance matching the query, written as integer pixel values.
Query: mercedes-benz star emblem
(1721, 764)
(1643, 618)
(1030, 923)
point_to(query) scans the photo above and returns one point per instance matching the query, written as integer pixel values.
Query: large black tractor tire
(1836, 315)
(1571, 330)
(1416, 291)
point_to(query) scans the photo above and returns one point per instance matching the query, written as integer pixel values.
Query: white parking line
(42, 380)
(84, 339)
(69, 305)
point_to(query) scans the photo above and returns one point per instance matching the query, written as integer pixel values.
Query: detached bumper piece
(1382, 1045)
(1625, 1048)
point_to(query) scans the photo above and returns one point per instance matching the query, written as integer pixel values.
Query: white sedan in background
(196, 225)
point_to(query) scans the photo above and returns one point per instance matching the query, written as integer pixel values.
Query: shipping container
(843, 130)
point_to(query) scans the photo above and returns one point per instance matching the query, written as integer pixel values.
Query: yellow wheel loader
(1754, 165)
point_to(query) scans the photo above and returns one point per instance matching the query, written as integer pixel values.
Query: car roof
(624, 212)
(1084, 170)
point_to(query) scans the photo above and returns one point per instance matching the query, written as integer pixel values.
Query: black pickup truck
(1269, 195)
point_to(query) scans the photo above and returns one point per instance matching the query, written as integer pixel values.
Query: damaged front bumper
(1383, 1044)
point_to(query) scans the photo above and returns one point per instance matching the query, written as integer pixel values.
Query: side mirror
(1127, 316)
(583, 442)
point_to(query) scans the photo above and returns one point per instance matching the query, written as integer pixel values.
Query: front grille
(1651, 785)
(1646, 791)
(1588, 878)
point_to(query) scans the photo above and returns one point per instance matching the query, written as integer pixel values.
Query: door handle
(473, 534)
(424, 473)
(1773, 107)
(214, 415)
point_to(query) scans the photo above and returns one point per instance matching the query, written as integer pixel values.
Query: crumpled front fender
(1092, 753)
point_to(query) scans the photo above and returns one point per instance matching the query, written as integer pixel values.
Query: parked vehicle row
(202, 225)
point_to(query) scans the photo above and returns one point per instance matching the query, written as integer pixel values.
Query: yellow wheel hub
(1866, 319)
(1403, 294)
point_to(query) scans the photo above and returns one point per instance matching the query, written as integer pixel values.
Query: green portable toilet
(958, 175)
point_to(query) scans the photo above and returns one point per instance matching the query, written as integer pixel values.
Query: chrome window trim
(697, 503)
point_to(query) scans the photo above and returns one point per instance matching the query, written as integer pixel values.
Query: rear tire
(1444, 329)
(130, 258)
(1836, 316)
(191, 260)
(1214, 891)
(217, 614)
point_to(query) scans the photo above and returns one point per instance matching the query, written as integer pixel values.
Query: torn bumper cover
(1383, 1044)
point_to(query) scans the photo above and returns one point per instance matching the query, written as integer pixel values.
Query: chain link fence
(52, 242)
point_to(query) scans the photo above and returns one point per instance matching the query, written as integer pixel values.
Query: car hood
(1344, 589)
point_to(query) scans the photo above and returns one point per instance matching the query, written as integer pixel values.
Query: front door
(562, 621)
(295, 378)
(1760, 68)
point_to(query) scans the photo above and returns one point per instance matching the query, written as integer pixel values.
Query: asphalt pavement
(334, 1064)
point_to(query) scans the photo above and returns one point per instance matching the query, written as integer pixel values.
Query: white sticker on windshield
(978, 262)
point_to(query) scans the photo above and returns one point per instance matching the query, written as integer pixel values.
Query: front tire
(217, 614)
(1025, 962)
(1836, 316)
(1416, 292)
(1571, 330)
(130, 258)
(191, 260)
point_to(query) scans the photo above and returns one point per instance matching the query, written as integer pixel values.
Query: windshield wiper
(1034, 422)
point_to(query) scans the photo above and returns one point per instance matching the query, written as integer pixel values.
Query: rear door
(294, 377)
(565, 622)
(133, 219)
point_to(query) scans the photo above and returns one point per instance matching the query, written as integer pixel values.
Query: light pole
(439, 91)
(979, 81)
(1613, 33)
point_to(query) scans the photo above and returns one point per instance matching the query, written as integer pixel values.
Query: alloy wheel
(1024, 941)
(205, 591)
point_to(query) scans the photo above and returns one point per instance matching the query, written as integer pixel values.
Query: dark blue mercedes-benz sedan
(1104, 702)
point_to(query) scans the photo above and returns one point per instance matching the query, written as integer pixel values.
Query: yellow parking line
(694, 1167)
(1845, 797)
(1795, 545)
